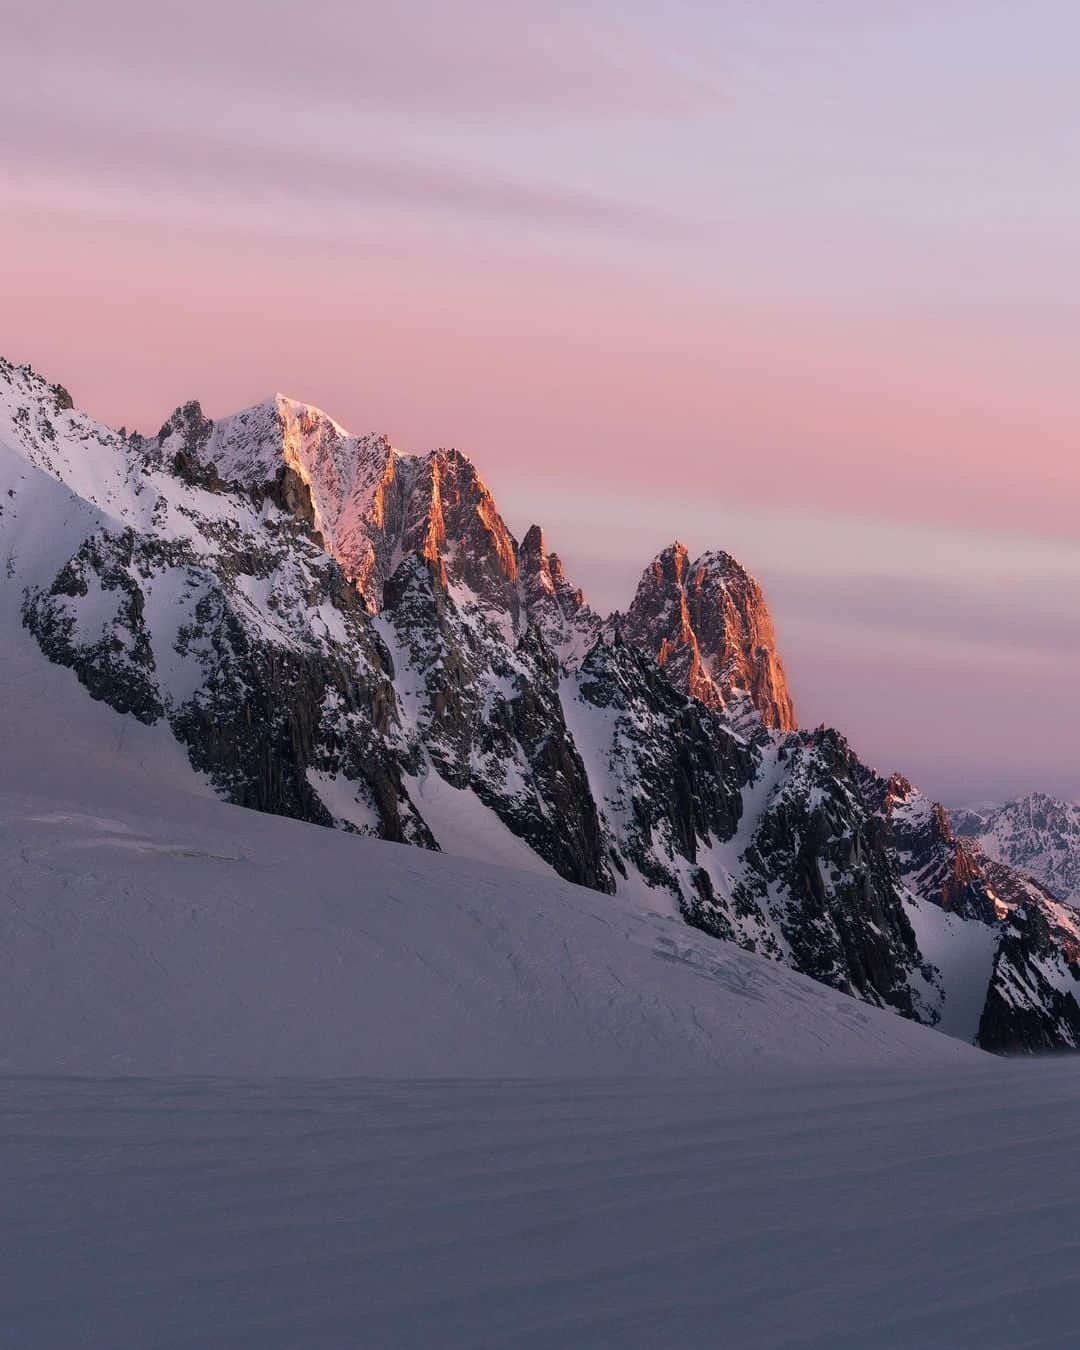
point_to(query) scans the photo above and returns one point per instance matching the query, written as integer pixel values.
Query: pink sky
(804, 286)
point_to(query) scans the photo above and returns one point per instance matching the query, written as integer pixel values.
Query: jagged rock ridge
(346, 634)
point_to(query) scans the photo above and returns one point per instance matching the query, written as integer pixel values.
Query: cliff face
(352, 636)
(451, 519)
(933, 861)
(1032, 1003)
(707, 624)
(370, 505)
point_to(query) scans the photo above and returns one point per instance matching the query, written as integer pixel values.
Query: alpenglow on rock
(370, 505)
(352, 636)
(707, 624)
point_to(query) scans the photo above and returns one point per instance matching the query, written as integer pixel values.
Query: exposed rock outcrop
(1032, 1003)
(551, 604)
(707, 624)
(932, 861)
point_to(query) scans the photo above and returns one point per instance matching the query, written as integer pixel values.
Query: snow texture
(874, 1212)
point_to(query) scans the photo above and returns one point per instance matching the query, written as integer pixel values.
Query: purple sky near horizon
(801, 281)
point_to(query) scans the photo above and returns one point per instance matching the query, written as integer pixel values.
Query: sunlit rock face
(451, 519)
(370, 504)
(707, 624)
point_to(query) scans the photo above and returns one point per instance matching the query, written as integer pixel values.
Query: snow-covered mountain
(351, 636)
(1038, 835)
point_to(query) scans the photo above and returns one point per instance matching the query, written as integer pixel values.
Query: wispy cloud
(1025, 621)
(471, 61)
(201, 163)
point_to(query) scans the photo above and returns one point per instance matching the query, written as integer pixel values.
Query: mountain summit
(369, 504)
(707, 624)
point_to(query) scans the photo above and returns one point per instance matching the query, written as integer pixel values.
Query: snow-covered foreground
(582, 1123)
(193, 937)
(924, 1209)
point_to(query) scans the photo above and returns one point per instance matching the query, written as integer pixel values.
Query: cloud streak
(1023, 621)
(197, 164)
(471, 61)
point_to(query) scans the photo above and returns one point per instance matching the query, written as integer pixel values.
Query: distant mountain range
(1038, 835)
(345, 634)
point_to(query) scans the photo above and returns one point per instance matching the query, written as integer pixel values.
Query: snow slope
(191, 937)
(786, 1166)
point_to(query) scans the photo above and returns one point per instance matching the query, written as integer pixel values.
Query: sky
(799, 280)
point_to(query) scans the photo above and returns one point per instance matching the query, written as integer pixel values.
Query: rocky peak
(534, 563)
(370, 505)
(548, 572)
(345, 477)
(189, 426)
(707, 624)
(451, 519)
(659, 621)
(552, 605)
